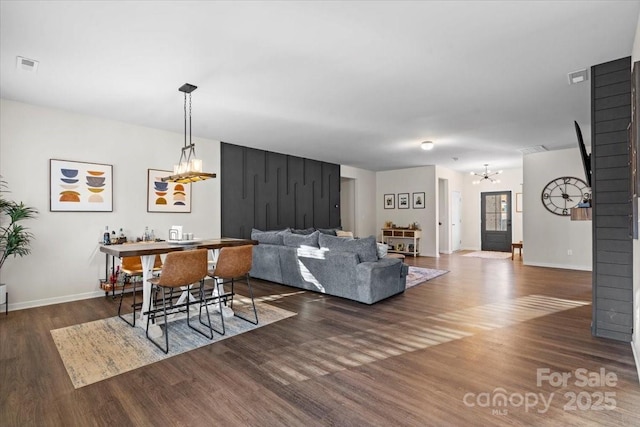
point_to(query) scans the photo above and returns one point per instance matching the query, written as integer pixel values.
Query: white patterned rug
(418, 275)
(489, 255)
(95, 351)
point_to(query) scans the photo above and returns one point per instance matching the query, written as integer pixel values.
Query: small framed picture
(403, 200)
(518, 202)
(418, 200)
(389, 201)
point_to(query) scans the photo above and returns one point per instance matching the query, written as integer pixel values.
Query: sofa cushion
(297, 240)
(273, 237)
(365, 248)
(305, 231)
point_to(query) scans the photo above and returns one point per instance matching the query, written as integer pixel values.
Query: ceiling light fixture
(487, 174)
(427, 145)
(189, 168)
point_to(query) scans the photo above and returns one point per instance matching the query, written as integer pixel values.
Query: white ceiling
(355, 83)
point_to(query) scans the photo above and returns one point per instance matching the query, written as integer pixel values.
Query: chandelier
(189, 167)
(487, 174)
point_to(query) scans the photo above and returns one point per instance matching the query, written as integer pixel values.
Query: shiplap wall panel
(612, 246)
(272, 191)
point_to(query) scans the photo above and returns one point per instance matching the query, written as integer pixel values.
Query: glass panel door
(496, 221)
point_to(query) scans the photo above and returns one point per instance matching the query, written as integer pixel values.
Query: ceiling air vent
(26, 64)
(532, 149)
(578, 77)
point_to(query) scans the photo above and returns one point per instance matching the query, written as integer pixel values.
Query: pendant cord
(192, 151)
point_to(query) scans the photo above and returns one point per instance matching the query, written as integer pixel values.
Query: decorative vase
(3, 293)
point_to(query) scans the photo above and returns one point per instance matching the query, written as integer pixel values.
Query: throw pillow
(297, 240)
(365, 248)
(273, 237)
(329, 231)
(303, 231)
(341, 233)
(383, 249)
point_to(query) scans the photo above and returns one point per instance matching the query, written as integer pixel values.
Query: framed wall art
(403, 200)
(418, 200)
(518, 202)
(80, 186)
(389, 201)
(167, 196)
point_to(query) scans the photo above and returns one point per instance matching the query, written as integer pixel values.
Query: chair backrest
(184, 268)
(133, 264)
(233, 261)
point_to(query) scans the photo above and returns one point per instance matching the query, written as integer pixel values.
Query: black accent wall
(612, 244)
(271, 191)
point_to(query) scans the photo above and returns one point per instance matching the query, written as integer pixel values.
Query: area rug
(489, 255)
(95, 351)
(418, 275)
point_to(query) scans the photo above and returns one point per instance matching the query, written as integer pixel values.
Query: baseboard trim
(635, 357)
(54, 300)
(562, 266)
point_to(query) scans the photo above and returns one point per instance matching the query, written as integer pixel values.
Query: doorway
(443, 216)
(496, 221)
(456, 221)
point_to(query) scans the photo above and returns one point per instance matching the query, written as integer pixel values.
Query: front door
(496, 221)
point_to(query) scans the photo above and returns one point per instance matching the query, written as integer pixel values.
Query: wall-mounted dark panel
(612, 248)
(271, 191)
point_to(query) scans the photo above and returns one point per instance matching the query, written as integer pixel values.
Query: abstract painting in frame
(80, 186)
(167, 196)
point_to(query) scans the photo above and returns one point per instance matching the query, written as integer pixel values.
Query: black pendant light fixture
(189, 167)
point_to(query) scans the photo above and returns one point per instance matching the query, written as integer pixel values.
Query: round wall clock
(564, 193)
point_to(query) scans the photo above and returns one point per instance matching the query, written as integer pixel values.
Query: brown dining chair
(232, 266)
(131, 267)
(180, 270)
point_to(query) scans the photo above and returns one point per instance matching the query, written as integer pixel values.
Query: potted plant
(14, 237)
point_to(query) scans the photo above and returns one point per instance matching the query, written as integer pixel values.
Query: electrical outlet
(569, 252)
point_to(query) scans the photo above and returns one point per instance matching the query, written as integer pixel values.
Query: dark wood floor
(431, 356)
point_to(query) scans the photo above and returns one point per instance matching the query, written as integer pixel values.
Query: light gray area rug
(418, 275)
(489, 255)
(95, 351)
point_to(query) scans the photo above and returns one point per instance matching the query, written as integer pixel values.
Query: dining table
(147, 252)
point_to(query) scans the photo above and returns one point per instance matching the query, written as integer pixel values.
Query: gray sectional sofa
(321, 262)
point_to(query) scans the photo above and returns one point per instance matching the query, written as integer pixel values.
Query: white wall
(413, 180)
(64, 264)
(548, 237)
(510, 180)
(365, 195)
(348, 204)
(636, 247)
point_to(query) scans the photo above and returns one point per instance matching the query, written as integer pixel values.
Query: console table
(404, 240)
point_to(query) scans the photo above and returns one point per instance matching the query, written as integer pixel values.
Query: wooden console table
(515, 246)
(401, 237)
